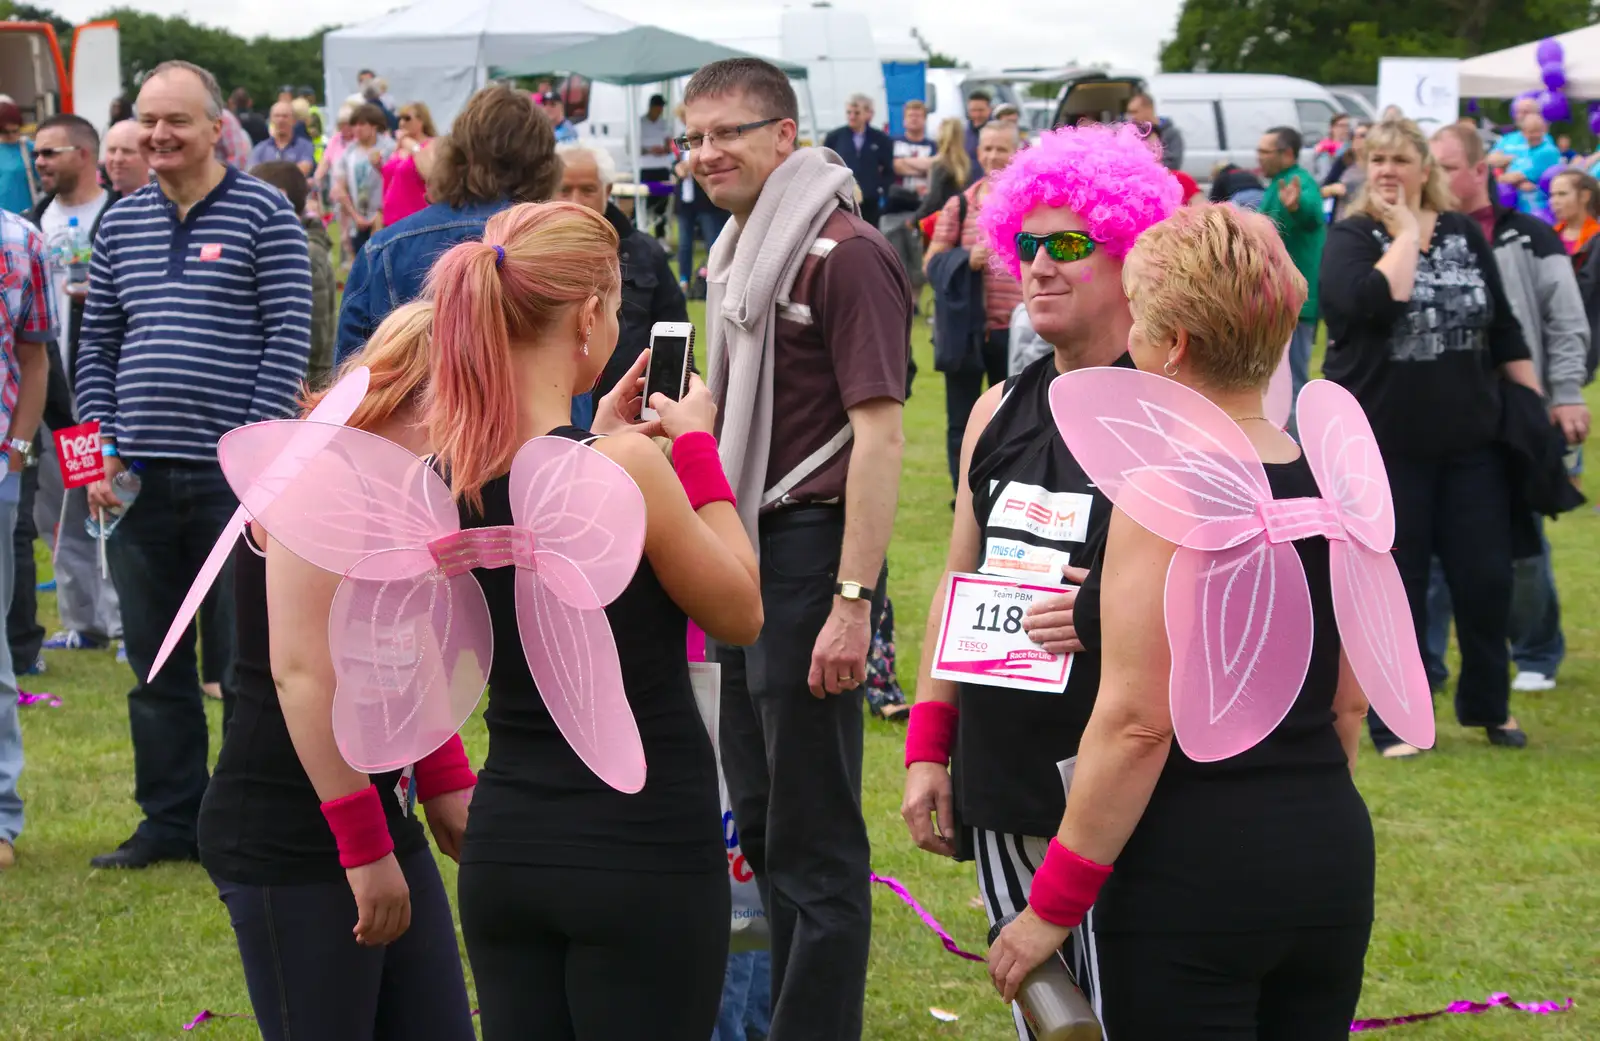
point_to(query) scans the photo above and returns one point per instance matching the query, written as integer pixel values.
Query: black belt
(803, 515)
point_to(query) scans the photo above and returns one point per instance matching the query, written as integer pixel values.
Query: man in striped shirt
(198, 321)
(27, 324)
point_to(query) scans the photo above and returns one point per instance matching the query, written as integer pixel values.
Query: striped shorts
(1005, 872)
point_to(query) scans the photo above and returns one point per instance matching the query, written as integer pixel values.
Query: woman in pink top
(405, 175)
(337, 142)
(997, 143)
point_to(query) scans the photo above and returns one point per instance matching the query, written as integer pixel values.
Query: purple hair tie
(499, 257)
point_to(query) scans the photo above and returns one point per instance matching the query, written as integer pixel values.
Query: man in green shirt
(1294, 202)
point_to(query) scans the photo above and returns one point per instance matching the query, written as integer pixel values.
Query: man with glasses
(809, 389)
(69, 216)
(1294, 202)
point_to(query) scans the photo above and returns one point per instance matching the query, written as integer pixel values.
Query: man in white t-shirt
(913, 158)
(655, 159)
(68, 149)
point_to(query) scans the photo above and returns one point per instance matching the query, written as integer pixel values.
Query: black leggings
(1278, 985)
(310, 981)
(581, 954)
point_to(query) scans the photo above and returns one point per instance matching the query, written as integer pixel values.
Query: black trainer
(139, 853)
(1507, 737)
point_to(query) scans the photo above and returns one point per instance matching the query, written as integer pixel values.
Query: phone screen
(666, 367)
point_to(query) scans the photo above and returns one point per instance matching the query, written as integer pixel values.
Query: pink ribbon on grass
(24, 699)
(928, 920)
(1465, 1008)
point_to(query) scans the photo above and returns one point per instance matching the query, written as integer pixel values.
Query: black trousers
(1275, 985)
(793, 766)
(963, 389)
(23, 631)
(579, 954)
(1458, 508)
(310, 981)
(155, 552)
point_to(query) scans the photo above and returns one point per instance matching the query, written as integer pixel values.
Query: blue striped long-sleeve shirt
(197, 326)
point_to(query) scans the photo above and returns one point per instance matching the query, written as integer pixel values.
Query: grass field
(1487, 873)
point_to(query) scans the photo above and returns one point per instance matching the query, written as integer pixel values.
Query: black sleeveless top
(536, 802)
(1276, 837)
(261, 822)
(1036, 509)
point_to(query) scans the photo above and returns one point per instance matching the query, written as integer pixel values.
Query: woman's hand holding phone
(696, 411)
(618, 411)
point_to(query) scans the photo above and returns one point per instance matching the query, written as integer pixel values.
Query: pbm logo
(1039, 513)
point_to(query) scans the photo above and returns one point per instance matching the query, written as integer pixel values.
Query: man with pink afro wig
(1026, 510)
(1105, 174)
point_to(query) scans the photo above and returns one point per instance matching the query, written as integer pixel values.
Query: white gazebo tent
(1507, 73)
(440, 51)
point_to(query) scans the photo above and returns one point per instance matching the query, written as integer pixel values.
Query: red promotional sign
(78, 449)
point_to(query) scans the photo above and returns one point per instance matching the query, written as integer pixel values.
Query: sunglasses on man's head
(1063, 246)
(51, 153)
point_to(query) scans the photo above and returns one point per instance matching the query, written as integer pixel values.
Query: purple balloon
(1508, 195)
(1544, 214)
(1548, 176)
(1472, 106)
(1555, 108)
(1554, 77)
(1594, 118)
(1549, 51)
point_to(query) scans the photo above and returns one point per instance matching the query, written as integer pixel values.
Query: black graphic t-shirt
(1424, 369)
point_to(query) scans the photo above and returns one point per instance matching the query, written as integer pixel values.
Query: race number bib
(981, 638)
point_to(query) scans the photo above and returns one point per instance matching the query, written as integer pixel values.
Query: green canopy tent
(640, 56)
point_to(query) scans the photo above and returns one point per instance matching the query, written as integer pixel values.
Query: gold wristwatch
(852, 591)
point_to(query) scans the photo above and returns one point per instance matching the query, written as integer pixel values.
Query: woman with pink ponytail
(589, 914)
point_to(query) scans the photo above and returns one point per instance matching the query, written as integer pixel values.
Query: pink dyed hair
(1106, 175)
(557, 256)
(1223, 276)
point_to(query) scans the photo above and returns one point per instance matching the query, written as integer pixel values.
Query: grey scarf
(752, 269)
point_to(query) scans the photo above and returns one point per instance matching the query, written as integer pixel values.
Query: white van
(1223, 115)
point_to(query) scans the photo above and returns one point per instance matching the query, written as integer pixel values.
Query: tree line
(260, 65)
(1340, 41)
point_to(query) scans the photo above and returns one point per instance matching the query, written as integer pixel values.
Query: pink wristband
(445, 769)
(359, 827)
(930, 732)
(694, 457)
(695, 643)
(1065, 886)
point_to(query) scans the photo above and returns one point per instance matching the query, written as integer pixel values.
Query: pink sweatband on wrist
(695, 644)
(445, 769)
(1065, 886)
(930, 732)
(699, 467)
(359, 827)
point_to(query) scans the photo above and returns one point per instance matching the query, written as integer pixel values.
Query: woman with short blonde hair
(1226, 897)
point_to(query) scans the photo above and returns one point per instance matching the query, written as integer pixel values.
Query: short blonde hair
(1392, 134)
(1222, 275)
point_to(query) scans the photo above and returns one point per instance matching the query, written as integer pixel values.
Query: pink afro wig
(1106, 175)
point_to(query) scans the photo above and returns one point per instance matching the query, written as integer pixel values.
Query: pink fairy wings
(1369, 599)
(410, 629)
(336, 407)
(1238, 609)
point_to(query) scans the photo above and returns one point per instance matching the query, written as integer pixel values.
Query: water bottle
(1051, 1002)
(78, 252)
(126, 488)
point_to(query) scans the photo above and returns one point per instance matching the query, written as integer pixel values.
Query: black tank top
(261, 822)
(536, 802)
(1036, 509)
(1276, 837)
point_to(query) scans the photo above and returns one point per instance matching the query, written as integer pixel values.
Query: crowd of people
(497, 293)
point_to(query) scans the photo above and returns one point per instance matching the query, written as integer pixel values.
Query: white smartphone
(671, 359)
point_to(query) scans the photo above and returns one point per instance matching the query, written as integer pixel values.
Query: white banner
(1427, 90)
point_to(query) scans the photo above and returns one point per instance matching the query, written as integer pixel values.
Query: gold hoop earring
(1170, 368)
